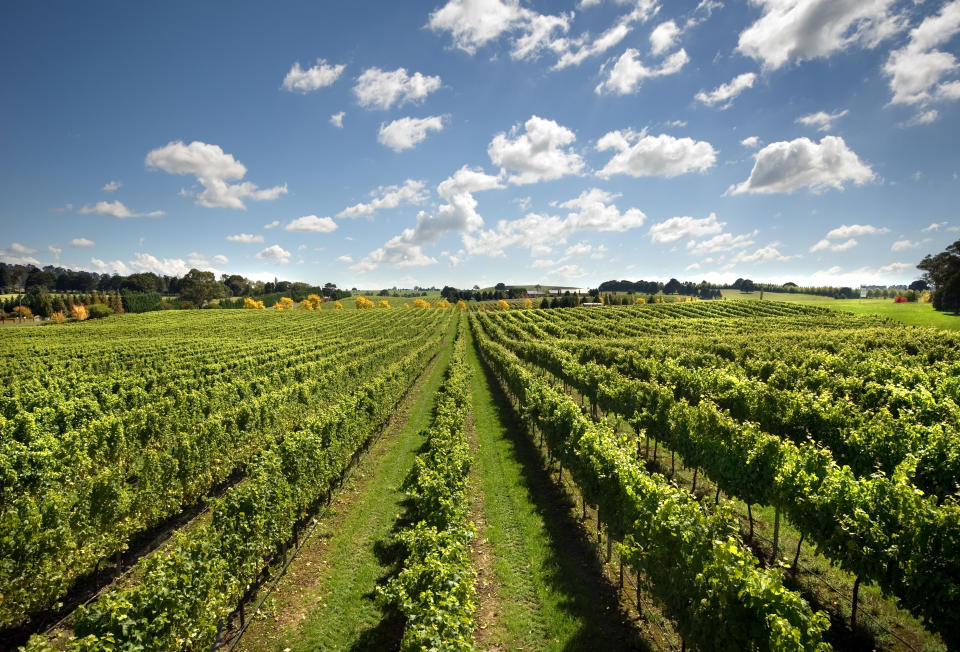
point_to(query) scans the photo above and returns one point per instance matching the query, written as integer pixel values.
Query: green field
(912, 314)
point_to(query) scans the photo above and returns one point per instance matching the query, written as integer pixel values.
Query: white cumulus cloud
(112, 186)
(381, 89)
(407, 133)
(276, 253)
(337, 119)
(664, 36)
(245, 238)
(642, 155)
(784, 167)
(592, 210)
(539, 153)
(765, 254)
(629, 72)
(751, 142)
(82, 242)
(116, 209)
(798, 30)
(821, 120)
(312, 224)
(387, 197)
(682, 228)
(458, 214)
(214, 169)
(722, 242)
(319, 76)
(916, 70)
(724, 94)
(825, 244)
(900, 245)
(855, 231)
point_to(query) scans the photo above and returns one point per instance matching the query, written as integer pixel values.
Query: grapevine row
(434, 589)
(696, 567)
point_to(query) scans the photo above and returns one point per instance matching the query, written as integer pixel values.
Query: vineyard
(705, 467)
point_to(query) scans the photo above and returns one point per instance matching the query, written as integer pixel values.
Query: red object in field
(900, 299)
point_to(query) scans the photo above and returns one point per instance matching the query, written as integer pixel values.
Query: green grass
(549, 594)
(343, 612)
(912, 314)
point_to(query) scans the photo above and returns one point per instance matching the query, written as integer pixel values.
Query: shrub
(23, 312)
(79, 312)
(384, 303)
(363, 303)
(311, 302)
(99, 311)
(58, 318)
(503, 305)
(420, 303)
(285, 303)
(337, 305)
(252, 304)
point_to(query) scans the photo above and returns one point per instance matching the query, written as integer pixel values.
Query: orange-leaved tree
(79, 312)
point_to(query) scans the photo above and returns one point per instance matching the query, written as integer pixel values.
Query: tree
(38, 279)
(500, 286)
(919, 285)
(503, 305)
(199, 287)
(942, 271)
(237, 285)
(746, 285)
(252, 304)
(144, 282)
(673, 286)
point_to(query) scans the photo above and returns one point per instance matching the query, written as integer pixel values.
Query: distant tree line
(41, 288)
(702, 290)
(500, 291)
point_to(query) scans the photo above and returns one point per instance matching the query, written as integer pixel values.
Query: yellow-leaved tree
(252, 304)
(384, 303)
(528, 304)
(363, 303)
(79, 312)
(503, 305)
(285, 303)
(312, 302)
(337, 305)
(641, 301)
(462, 305)
(420, 303)
(58, 318)
(443, 303)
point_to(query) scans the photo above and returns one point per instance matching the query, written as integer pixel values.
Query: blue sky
(477, 141)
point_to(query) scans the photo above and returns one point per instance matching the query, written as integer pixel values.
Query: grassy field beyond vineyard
(732, 474)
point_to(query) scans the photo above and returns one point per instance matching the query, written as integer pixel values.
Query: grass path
(326, 599)
(544, 589)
